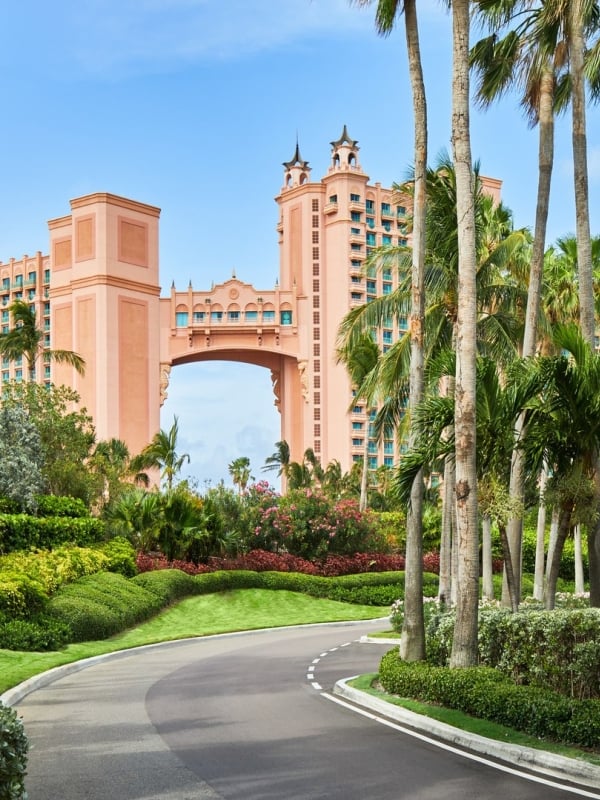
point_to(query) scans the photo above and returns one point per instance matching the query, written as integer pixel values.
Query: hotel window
(216, 316)
(285, 317)
(18, 295)
(19, 281)
(387, 274)
(316, 270)
(316, 349)
(317, 414)
(47, 371)
(385, 208)
(250, 316)
(355, 216)
(370, 222)
(315, 220)
(370, 206)
(357, 410)
(355, 231)
(371, 286)
(372, 462)
(46, 308)
(5, 377)
(269, 316)
(372, 446)
(401, 211)
(5, 329)
(315, 237)
(316, 301)
(198, 316)
(316, 334)
(387, 226)
(315, 253)
(317, 430)
(333, 198)
(402, 242)
(19, 375)
(386, 239)
(317, 398)
(403, 322)
(315, 205)
(357, 426)
(388, 461)
(356, 458)
(387, 288)
(46, 276)
(357, 442)
(31, 278)
(356, 247)
(317, 446)
(388, 448)
(355, 198)
(5, 316)
(181, 319)
(371, 239)
(355, 264)
(6, 283)
(356, 296)
(387, 337)
(316, 317)
(233, 316)
(316, 286)
(317, 365)
(317, 381)
(356, 279)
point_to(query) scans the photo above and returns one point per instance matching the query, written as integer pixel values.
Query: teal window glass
(388, 461)
(355, 231)
(387, 337)
(370, 206)
(251, 316)
(355, 216)
(181, 319)
(357, 426)
(372, 462)
(198, 316)
(269, 316)
(233, 316)
(385, 208)
(387, 288)
(216, 316)
(356, 296)
(285, 317)
(355, 198)
(386, 239)
(371, 239)
(357, 442)
(371, 286)
(46, 276)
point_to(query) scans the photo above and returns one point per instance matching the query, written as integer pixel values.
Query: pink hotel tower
(98, 293)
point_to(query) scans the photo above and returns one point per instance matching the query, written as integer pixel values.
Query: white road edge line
(464, 753)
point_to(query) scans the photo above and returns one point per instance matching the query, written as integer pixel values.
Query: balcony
(356, 205)
(330, 208)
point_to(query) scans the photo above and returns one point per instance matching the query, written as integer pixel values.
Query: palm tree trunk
(564, 523)
(464, 647)
(582, 214)
(445, 578)
(412, 642)
(487, 581)
(540, 541)
(362, 503)
(579, 585)
(552, 540)
(534, 291)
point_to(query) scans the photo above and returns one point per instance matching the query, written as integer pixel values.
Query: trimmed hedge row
(559, 650)
(23, 532)
(103, 604)
(13, 755)
(485, 693)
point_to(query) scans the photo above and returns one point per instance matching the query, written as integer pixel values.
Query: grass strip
(481, 727)
(223, 612)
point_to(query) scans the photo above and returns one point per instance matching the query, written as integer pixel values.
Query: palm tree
(240, 472)
(25, 339)
(279, 460)
(412, 646)
(162, 454)
(361, 358)
(110, 460)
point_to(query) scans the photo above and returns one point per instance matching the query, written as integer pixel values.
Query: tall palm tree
(26, 340)
(240, 472)
(162, 454)
(412, 647)
(279, 460)
(360, 358)
(464, 646)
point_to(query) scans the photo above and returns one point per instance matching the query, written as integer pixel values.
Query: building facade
(97, 293)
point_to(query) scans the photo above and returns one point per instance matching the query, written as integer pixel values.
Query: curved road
(241, 716)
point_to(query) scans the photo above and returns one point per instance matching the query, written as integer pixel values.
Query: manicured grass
(481, 727)
(239, 610)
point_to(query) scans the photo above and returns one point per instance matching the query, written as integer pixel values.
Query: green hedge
(101, 605)
(485, 693)
(23, 532)
(13, 755)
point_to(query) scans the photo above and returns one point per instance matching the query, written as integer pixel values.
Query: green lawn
(239, 610)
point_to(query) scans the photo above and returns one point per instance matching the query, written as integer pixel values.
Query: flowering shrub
(305, 523)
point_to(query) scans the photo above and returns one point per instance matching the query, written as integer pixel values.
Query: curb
(561, 767)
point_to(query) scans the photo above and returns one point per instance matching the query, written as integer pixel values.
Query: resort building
(98, 293)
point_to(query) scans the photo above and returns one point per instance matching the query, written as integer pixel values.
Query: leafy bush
(101, 605)
(487, 693)
(121, 557)
(49, 505)
(168, 584)
(557, 649)
(38, 634)
(23, 532)
(13, 755)
(52, 568)
(20, 595)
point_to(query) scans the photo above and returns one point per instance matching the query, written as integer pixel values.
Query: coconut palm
(26, 340)
(360, 358)
(412, 646)
(162, 454)
(279, 460)
(240, 472)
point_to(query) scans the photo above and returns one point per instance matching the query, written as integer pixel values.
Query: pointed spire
(233, 275)
(297, 160)
(345, 139)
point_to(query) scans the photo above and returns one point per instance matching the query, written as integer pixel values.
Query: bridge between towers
(233, 321)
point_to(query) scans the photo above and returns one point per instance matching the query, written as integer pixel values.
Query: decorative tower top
(297, 170)
(344, 153)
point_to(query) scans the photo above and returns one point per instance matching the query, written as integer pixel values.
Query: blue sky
(193, 105)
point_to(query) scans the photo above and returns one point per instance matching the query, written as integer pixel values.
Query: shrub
(486, 693)
(41, 633)
(13, 755)
(101, 605)
(49, 505)
(22, 532)
(168, 584)
(52, 568)
(120, 556)
(20, 595)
